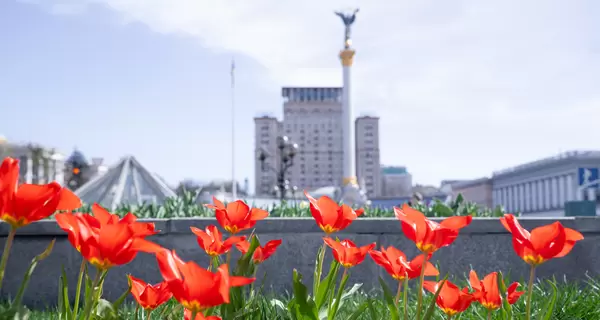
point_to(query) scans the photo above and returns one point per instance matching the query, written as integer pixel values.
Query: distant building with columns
(542, 187)
(38, 165)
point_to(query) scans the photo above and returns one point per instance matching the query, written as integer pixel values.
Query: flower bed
(228, 289)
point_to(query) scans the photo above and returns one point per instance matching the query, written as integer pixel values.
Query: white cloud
(462, 87)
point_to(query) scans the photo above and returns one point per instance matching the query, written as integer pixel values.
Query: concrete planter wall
(485, 245)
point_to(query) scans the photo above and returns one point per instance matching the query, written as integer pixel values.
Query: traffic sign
(589, 178)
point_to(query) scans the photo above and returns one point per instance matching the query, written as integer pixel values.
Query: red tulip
(187, 315)
(139, 228)
(330, 216)
(237, 216)
(261, 253)
(429, 236)
(211, 240)
(23, 204)
(487, 292)
(195, 287)
(104, 246)
(543, 243)
(149, 296)
(395, 263)
(347, 253)
(451, 300)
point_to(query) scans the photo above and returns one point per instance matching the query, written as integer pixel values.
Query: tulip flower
(347, 253)
(451, 299)
(139, 228)
(104, 246)
(487, 292)
(196, 288)
(23, 204)
(149, 296)
(330, 216)
(114, 245)
(261, 253)
(542, 244)
(429, 236)
(211, 240)
(396, 264)
(187, 315)
(237, 215)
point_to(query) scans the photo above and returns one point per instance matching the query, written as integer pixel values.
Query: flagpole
(233, 181)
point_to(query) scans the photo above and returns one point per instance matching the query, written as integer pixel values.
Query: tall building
(267, 129)
(312, 118)
(395, 182)
(368, 167)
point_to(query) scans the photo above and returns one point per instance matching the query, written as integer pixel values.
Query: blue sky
(462, 87)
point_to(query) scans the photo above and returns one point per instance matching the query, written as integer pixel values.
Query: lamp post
(287, 152)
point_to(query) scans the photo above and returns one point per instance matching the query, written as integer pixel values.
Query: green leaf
(64, 306)
(506, 307)
(30, 270)
(318, 269)
(117, 304)
(551, 304)
(306, 308)
(338, 298)
(106, 311)
(429, 314)
(326, 287)
(388, 297)
(360, 310)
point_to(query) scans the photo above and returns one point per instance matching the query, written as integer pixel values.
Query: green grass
(185, 207)
(573, 302)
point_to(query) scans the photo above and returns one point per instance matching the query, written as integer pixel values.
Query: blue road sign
(589, 177)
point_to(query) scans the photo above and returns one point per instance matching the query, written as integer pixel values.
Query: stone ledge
(308, 225)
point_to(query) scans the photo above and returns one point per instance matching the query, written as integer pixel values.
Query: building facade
(267, 129)
(368, 163)
(38, 165)
(478, 191)
(542, 187)
(312, 118)
(395, 182)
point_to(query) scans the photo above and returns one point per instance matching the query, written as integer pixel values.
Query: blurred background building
(312, 118)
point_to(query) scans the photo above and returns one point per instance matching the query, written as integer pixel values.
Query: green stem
(399, 292)
(228, 259)
(530, 292)
(420, 293)
(78, 290)
(193, 315)
(148, 312)
(319, 269)
(6, 252)
(96, 289)
(405, 298)
(137, 311)
(489, 315)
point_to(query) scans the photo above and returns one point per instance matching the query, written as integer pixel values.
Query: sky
(462, 87)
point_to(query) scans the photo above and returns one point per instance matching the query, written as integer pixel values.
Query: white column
(534, 196)
(570, 187)
(349, 168)
(29, 172)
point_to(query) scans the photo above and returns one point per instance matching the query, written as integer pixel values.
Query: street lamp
(287, 152)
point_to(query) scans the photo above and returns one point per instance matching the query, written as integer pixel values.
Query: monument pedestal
(353, 195)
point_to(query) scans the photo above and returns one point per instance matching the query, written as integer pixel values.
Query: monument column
(351, 193)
